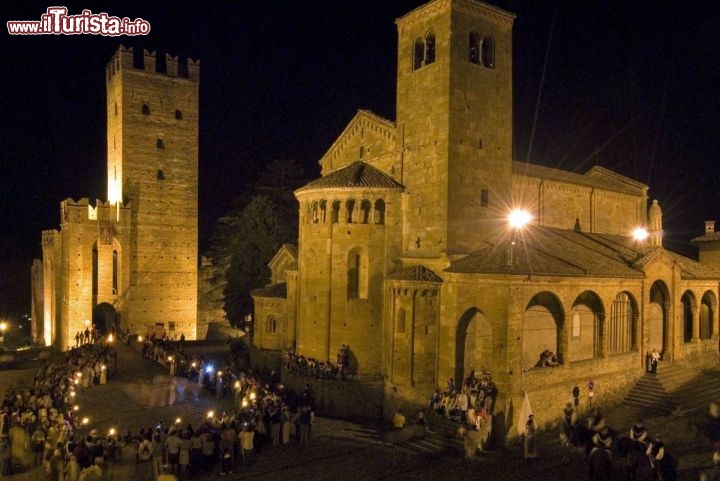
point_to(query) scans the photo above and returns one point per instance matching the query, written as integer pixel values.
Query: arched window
(178, 114)
(621, 329)
(350, 211)
(335, 216)
(418, 53)
(488, 52)
(146, 109)
(474, 48)
(707, 315)
(365, 208)
(379, 211)
(315, 212)
(271, 325)
(357, 274)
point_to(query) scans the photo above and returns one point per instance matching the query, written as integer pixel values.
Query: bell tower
(454, 124)
(152, 143)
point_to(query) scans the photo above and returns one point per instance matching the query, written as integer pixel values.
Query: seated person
(398, 420)
(551, 360)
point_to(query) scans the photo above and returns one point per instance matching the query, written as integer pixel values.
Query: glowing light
(85, 421)
(178, 420)
(219, 373)
(244, 403)
(111, 432)
(140, 338)
(110, 338)
(87, 322)
(3, 327)
(519, 218)
(193, 364)
(79, 374)
(72, 393)
(170, 358)
(252, 396)
(237, 384)
(76, 408)
(209, 369)
(210, 414)
(103, 367)
(640, 234)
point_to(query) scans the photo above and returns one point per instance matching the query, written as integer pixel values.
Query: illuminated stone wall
(153, 167)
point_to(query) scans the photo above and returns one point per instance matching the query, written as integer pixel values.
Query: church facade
(405, 254)
(131, 261)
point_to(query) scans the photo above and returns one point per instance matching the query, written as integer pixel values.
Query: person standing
(656, 453)
(654, 359)
(529, 440)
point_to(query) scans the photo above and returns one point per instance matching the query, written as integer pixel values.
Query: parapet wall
(125, 58)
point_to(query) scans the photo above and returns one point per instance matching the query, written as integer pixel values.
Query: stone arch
(365, 210)
(543, 328)
(473, 344)
(587, 327)
(657, 317)
(105, 318)
(379, 212)
(707, 314)
(688, 306)
(429, 47)
(350, 211)
(622, 328)
(335, 215)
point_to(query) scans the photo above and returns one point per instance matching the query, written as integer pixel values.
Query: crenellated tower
(152, 139)
(454, 121)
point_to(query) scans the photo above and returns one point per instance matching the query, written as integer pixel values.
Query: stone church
(131, 261)
(405, 253)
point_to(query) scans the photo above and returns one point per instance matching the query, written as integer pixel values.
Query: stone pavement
(346, 450)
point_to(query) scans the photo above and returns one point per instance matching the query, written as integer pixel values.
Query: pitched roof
(357, 174)
(276, 291)
(558, 252)
(595, 177)
(415, 273)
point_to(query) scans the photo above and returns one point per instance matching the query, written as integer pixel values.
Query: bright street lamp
(640, 234)
(519, 218)
(3, 328)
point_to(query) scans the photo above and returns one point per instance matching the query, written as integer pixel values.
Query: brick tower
(152, 138)
(454, 121)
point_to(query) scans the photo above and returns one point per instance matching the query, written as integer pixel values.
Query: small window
(335, 215)
(146, 109)
(178, 114)
(271, 325)
(160, 175)
(116, 109)
(160, 143)
(171, 326)
(484, 198)
(474, 48)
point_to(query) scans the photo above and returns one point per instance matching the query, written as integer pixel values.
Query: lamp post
(3, 328)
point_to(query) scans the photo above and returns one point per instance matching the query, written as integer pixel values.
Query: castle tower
(152, 138)
(454, 120)
(655, 224)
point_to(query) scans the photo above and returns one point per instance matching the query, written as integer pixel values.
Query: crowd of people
(471, 402)
(44, 418)
(264, 415)
(301, 365)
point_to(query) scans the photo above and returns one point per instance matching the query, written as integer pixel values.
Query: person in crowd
(398, 420)
(529, 439)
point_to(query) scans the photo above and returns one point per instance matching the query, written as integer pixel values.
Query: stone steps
(674, 390)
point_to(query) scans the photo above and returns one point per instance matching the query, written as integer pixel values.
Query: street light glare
(640, 234)
(519, 218)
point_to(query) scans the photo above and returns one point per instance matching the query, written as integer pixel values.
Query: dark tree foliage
(249, 235)
(262, 232)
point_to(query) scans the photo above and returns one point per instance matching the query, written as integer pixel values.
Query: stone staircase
(674, 390)
(442, 438)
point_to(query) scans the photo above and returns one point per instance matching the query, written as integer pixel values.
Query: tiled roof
(276, 291)
(558, 252)
(707, 237)
(357, 174)
(692, 269)
(415, 273)
(595, 177)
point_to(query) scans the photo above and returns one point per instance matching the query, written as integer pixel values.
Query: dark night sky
(633, 86)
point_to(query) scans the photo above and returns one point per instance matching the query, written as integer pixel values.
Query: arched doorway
(657, 317)
(473, 345)
(543, 329)
(105, 318)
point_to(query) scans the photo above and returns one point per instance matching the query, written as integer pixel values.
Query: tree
(263, 231)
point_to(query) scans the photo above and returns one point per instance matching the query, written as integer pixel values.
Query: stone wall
(353, 399)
